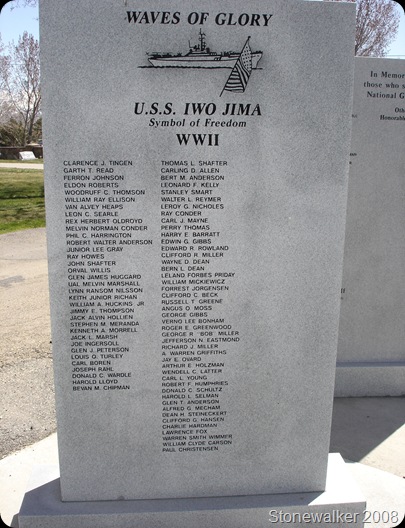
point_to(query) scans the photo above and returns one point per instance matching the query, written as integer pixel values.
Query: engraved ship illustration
(200, 56)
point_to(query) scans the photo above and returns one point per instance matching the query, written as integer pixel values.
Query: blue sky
(13, 22)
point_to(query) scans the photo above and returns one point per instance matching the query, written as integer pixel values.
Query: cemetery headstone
(371, 346)
(196, 180)
(26, 156)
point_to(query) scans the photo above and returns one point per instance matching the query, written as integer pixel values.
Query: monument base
(369, 379)
(339, 504)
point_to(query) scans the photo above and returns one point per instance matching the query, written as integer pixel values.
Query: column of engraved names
(196, 336)
(104, 303)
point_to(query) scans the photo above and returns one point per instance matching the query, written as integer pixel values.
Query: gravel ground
(27, 412)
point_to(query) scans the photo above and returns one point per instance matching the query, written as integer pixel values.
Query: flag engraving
(240, 74)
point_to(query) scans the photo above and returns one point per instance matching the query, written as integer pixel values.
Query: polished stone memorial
(371, 345)
(196, 183)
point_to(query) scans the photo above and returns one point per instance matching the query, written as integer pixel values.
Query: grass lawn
(22, 201)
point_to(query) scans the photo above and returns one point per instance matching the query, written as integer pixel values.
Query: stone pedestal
(369, 378)
(340, 504)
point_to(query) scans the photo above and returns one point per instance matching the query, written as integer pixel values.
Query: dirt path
(26, 406)
(38, 166)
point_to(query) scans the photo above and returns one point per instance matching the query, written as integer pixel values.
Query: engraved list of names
(104, 303)
(105, 229)
(196, 332)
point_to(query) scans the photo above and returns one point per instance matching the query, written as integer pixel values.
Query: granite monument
(196, 183)
(371, 346)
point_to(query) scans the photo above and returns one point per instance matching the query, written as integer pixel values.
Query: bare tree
(377, 24)
(20, 82)
(21, 3)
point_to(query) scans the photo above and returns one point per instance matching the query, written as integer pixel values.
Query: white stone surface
(370, 379)
(276, 223)
(15, 474)
(371, 346)
(27, 155)
(340, 502)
